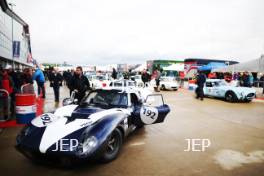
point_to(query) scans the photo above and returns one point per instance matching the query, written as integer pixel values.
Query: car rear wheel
(163, 87)
(231, 97)
(113, 146)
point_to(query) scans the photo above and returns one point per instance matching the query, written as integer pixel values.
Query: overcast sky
(133, 31)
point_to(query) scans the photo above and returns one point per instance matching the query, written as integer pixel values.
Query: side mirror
(75, 101)
(91, 101)
(67, 101)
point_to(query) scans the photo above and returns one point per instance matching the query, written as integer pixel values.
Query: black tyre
(231, 97)
(140, 126)
(247, 101)
(163, 87)
(113, 146)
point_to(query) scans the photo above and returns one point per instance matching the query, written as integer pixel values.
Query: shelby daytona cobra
(93, 129)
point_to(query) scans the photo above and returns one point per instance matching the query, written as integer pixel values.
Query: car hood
(64, 122)
(239, 89)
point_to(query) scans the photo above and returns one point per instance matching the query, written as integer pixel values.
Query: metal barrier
(5, 104)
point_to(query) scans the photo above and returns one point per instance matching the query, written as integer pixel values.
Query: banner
(16, 49)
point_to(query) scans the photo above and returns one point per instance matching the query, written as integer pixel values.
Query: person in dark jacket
(114, 73)
(246, 79)
(79, 83)
(261, 79)
(55, 82)
(200, 80)
(145, 77)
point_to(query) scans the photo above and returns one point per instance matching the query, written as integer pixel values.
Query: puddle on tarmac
(230, 159)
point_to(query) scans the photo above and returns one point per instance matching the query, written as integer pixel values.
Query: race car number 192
(148, 115)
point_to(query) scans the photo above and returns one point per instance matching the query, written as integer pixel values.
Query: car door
(208, 89)
(152, 111)
(215, 89)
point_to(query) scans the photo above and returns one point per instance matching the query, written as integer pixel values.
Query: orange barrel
(25, 108)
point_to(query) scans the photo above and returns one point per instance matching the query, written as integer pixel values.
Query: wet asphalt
(235, 132)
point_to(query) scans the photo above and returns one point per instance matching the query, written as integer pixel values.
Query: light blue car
(220, 89)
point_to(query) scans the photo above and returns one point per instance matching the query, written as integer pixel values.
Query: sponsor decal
(197, 145)
(66, 145)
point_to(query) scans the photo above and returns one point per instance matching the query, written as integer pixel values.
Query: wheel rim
(112, 144)
(229, 97)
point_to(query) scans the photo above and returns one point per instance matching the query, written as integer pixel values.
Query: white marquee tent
(256, 65)
(175, 67)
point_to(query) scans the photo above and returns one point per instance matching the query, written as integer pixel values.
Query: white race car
(122, 84)
(98, 81)
(168, 83)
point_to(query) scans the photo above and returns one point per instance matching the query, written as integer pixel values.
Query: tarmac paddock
(235, 132)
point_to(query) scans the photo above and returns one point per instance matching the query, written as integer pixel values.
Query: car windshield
(107, 98)
(123, 84)
(101, 78)
(220, 83)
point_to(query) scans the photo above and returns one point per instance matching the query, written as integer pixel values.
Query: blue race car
(220, 89)
(92, 130)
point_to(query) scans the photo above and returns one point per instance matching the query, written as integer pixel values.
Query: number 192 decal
(148, 115)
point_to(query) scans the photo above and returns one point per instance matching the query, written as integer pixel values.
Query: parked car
(95, 129)
(168, 83)
(138, 80)
(220, 89)
(98, 81)
(121, 84)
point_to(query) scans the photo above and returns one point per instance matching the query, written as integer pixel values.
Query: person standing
(145, 77)
(55, 82)
(251, 80)
(40, 79)
(114, 73)
(261, 79)
(156, 75)
(182, 76)
(200, 80)
(8, 85)
(246, 79)
(79, 83)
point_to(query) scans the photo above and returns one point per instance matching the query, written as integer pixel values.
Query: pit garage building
(15, 49)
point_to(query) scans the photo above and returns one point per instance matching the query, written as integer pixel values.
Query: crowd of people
(14, 81)
(33, 81)
(244, 79)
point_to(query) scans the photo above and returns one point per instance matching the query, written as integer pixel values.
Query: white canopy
(175, 67)
(256, 65)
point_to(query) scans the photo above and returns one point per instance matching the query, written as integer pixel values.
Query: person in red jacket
(6, 83)
(6, 80)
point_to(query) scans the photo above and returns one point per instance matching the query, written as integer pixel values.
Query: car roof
(119, 89)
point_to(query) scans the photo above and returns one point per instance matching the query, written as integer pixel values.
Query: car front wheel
(231, 97)
(113, 146)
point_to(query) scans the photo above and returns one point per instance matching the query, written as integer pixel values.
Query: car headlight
(88, 145)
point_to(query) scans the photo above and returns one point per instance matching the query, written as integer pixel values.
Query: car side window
(208, 84)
